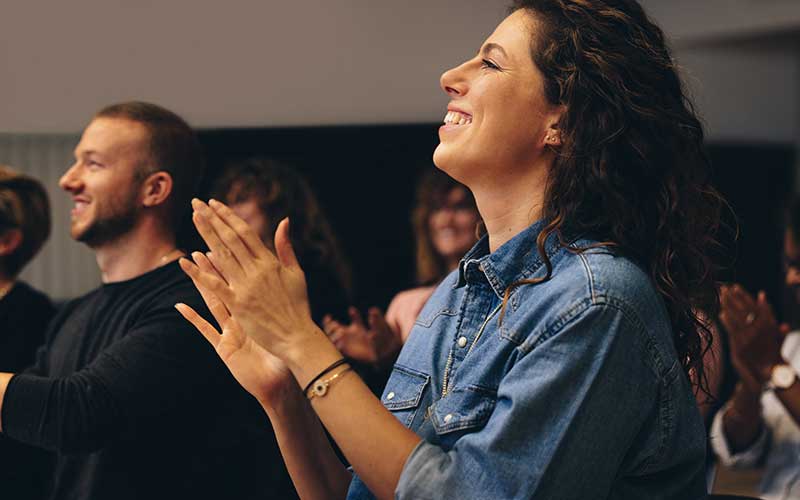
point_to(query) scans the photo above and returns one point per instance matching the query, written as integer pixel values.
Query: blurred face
(103, 182)
(452, 226)
(250, 211)
(498, 118)
(791, 255)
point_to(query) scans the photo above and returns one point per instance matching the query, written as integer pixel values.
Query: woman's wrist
(279, 393)
(310, 354)
(285, 401)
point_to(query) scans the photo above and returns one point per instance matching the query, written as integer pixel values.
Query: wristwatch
(782, 377)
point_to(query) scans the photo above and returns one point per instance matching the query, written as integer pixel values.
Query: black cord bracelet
(323, 372)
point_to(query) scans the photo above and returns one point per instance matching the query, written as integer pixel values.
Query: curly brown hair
(632, 170)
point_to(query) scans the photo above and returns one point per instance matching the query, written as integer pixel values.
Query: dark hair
(23, 205)
(432, 190)
(173, 148)
(283, 192)
(631, 169)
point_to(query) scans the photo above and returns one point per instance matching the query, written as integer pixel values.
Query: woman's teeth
(456, 118)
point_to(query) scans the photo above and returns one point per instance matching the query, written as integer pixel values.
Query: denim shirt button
(462, 342)
(448, 418)
(390, 395)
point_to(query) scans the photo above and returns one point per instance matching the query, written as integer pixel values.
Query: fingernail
(196, 255)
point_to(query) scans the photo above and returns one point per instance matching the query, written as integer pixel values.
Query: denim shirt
(577, 394)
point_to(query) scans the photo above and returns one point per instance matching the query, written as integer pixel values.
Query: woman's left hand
(264, 292)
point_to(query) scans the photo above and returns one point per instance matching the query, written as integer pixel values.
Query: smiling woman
(553, 362)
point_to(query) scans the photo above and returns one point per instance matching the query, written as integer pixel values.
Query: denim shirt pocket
(463, 410)
(428, 315)
(403, 393)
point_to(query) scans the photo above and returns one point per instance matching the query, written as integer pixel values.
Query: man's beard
(108, 227)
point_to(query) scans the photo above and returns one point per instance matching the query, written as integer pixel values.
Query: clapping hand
(374, 342)
(754, 333)
(259, 372)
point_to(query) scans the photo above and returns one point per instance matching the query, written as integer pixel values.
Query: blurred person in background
(445, 221)
(24, 315)
(263, 192)
(760, 423)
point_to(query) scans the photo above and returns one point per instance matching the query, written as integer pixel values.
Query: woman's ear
(552, 136)
(156, 188)
(10, 240)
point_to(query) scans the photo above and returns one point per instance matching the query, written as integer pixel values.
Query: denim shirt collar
(516, 259)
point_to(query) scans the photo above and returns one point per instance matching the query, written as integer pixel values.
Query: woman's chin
(447, 160)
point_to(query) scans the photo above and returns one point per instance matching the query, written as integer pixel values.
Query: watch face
(783, 376)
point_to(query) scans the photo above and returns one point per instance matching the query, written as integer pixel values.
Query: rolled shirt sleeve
(722, 448)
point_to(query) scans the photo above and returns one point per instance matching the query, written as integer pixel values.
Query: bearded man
(131, 399)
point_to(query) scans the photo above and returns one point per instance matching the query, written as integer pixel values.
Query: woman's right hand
(373, 342)
(755, 335)
(261, 374)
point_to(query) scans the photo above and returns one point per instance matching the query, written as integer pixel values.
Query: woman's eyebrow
(490, 46)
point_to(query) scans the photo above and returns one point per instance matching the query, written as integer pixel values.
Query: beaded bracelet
(321, 374)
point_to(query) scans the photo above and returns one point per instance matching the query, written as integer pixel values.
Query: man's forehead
(104, 134)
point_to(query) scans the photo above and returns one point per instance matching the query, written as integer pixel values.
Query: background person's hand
(374, 342)
(754, 333)
(260, 373)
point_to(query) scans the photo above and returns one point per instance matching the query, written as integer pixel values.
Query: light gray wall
(746, 91)
(235, 63)
(279, 63)
(63, 268)
(741, 58)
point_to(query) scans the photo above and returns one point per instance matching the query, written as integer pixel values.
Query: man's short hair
(23, 205)
(173, 148)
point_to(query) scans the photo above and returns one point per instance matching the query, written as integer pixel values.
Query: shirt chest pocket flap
(463, 409)
(404, 392)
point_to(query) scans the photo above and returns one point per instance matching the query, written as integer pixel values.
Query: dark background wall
(364, 177)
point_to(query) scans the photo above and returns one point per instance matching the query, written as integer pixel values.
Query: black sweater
(24, 315)
(138, 405)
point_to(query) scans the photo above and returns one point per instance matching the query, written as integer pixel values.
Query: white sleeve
(745, 458)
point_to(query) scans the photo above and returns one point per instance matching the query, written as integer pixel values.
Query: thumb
(784, 329)
(283, 245)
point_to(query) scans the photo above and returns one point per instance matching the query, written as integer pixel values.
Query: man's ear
(10, 240)
(156, 188)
